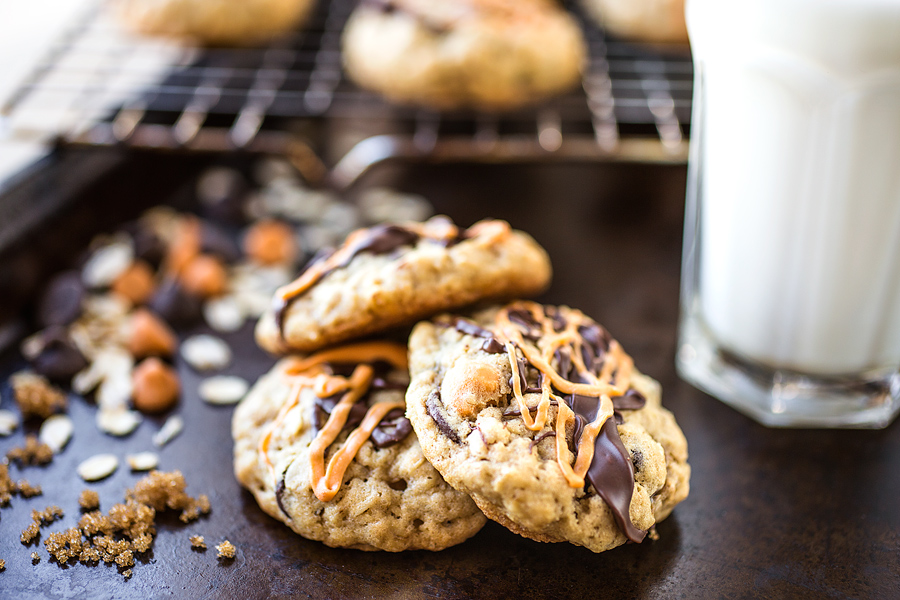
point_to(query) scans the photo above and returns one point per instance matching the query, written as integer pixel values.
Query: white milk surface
(800, 192)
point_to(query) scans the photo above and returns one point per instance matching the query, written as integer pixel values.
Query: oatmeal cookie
(658, 21)
(213, 22)
(484, 54)
(539, 415)
(390, 275)
(323, 444)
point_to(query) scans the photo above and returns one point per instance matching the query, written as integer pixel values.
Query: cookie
(214, 22)
(323, 444)
(483, 54)
(658, 21)
(390, 275)
(565, 441)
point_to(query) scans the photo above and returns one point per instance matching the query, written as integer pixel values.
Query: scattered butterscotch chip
(205, 276)
(226, 550)
(150, 335)
(89, 500)
(137, 282)
(197, 542)
(35, 558)
(27, 490)
(270, 242)
(47, 516)
(156, 386)
(33, 452)
(36, 396)
(30, 533)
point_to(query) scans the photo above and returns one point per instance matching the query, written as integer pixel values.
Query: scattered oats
(98, 467)
(89, 500)
(35, 558)
(107, 263)
(223, 389)
(30, 533)
(108, 363)
(115, 391)
(32, 453)
(383, 204)
(9, 422)
(226, 550)
(171, 428)
(224, 314)
(56, 432)
(36, 396)
(284, 198)
(143, 461)
(205, 352)
(198, 542)
(118, 422)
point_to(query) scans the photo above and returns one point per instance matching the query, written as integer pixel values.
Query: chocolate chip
(59, 359)
(393, 428)
(279, 494)
(175, 304)
(630, 400)
(60, 304)
(431, 405)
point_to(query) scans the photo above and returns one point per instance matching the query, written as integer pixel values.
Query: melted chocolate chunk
(523, 381)
(279, 494)
(612, 475)
(380, 383)
(392, 429)
(60, 303)
(630, 400)
(491, 344)
(380, 239)
(325, 406)
(431, 405)
(59, 359)
(525, 320)
(540, 439)
(175, 304)
(563, 362)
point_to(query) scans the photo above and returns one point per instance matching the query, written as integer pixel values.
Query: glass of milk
(791, 272)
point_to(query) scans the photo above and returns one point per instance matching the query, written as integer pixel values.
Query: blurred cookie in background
(657, 21)
(482, 54)
(213, 22)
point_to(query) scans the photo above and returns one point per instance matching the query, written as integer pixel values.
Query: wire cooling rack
(100, 86)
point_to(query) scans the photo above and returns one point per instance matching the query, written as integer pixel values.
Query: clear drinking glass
(791, 268)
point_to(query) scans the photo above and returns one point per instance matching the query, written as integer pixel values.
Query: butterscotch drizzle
(310, 373)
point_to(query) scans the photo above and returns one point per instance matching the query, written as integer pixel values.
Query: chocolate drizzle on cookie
(381, 239)
(590, 384)
(341, 403)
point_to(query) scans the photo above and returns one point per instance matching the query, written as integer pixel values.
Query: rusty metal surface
(772, 513)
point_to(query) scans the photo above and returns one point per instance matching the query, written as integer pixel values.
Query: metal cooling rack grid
(107, 88)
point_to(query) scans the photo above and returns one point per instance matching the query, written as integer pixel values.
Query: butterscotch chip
(270, 242)
(34, 452)
(198, 542)
(205, 276)
(156, 386)
(150, 336)
(226, 550)
(137, 283)
(469, 386)
(89, 500)
(35, 395)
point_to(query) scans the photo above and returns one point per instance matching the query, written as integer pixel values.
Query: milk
(799, 147)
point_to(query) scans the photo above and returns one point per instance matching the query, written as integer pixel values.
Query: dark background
(771, 514)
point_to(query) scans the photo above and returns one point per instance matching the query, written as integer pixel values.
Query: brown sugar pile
(39, 518)
(8, 487)
(36, 396)
(226, 550)
(197, 542)
(33, 452)
(89, 500)
(127, 529)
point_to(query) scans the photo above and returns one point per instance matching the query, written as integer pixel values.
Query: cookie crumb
(47, 516)
(35, 558)
(89, 500)
(34, 452)
(197, 542)
(29, 533)
(226, 550)
(652, 534)
(36, 396)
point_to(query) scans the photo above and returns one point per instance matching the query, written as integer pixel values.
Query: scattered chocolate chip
(59, 360)
(60, 303)
(174, 304)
